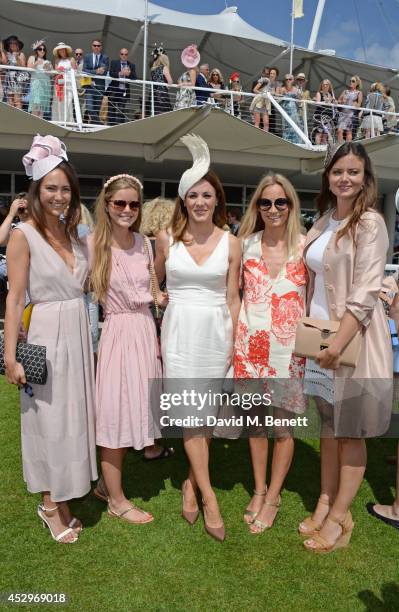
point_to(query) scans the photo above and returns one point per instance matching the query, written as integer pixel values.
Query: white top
(319, 381)
(314, 260)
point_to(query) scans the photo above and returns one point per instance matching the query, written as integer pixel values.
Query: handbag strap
(148, 250)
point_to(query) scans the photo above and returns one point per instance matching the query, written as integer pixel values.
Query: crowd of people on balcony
(105, 97)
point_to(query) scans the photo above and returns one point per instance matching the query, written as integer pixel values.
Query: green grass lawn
(168, 565)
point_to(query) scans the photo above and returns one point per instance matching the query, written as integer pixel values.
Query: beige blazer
(353, 277)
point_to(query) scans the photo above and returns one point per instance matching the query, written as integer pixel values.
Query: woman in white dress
(62, 107)
(201, 262)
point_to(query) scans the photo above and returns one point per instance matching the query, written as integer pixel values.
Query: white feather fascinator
(201, 162)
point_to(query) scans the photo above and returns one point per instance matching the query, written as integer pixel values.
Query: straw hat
(62, 45)
(190, 57)
(7, 42)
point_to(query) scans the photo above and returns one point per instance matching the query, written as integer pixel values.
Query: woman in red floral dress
(274, 286)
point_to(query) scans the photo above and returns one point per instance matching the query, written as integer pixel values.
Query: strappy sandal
(251, 514)
(76, 524)
(308, 527)
(122, 515)
(41, 511)
(100, 490)
(261, 526)
(323, 546)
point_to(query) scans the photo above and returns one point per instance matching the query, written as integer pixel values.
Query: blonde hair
(157, 215)
(377, 86)
(86, 217)
(330, 87)
(162, 60)
(102, 257)
(358, 82)
(252, 221)
(217, 71)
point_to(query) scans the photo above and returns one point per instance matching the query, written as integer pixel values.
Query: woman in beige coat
(345, 253)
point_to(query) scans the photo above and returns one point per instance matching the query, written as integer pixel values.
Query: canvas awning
(224, 40)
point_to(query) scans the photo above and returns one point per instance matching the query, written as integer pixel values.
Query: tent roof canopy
(224, 40)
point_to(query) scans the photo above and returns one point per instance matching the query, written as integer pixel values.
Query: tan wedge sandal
(308, 527)
(323, 546)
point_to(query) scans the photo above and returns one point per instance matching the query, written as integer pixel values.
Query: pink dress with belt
(128, 354)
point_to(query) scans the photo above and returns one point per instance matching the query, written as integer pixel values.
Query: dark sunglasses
(96, 45)
(264, 204)
(22, 210)
(40, 49)
(121, 205)
(78, 53)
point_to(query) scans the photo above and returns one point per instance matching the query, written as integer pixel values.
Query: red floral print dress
(269, 314)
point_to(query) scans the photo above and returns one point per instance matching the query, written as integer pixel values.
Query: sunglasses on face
(96, 45)
(264, 204)
(120, 205)
(22, 210)
(78, 54)
(40, 49)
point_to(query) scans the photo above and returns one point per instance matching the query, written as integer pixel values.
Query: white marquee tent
(224, 40)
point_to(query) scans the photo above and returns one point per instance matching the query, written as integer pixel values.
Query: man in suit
(95, 63)
(119, 92)
(202, 81)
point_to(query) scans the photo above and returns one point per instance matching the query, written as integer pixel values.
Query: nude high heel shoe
(218, 533)
(189, 516)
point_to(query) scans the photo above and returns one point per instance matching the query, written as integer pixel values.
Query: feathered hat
(201, 162)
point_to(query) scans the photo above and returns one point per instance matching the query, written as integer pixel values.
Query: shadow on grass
(377, 451)
(388, 601)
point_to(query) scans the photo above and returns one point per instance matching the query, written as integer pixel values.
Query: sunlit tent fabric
(224, 40)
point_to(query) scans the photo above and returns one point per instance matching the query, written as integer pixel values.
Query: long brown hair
(253, 222)
(102, 257)
(71, 216)
(180, 216)
(366, 199)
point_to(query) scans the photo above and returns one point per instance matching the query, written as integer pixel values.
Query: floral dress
(185, 96)
(269, 314)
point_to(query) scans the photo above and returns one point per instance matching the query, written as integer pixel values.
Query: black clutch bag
(33, 359)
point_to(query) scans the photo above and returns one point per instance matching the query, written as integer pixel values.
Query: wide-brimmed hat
(190, 56)
(301, 75)
(62, 45)
(7, 42)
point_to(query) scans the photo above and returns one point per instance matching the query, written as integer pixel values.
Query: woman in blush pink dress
(274, 287)
(128, 354)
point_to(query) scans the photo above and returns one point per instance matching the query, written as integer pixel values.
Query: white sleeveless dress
(197, 330)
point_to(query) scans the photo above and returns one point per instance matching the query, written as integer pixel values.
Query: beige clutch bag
(314, 335)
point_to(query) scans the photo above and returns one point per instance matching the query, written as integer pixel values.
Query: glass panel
(307, 200)
(152, 189)
(90, 186)
(171, 190)
(233, 194)
(5, 183)
(21, 183)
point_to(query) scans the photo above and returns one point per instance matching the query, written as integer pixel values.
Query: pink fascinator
(190, 56)
(45, 154)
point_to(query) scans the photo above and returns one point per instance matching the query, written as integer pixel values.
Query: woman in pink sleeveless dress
(45, 258)
(129, 353)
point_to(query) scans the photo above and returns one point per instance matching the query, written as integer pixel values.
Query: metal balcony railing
(85, 102)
